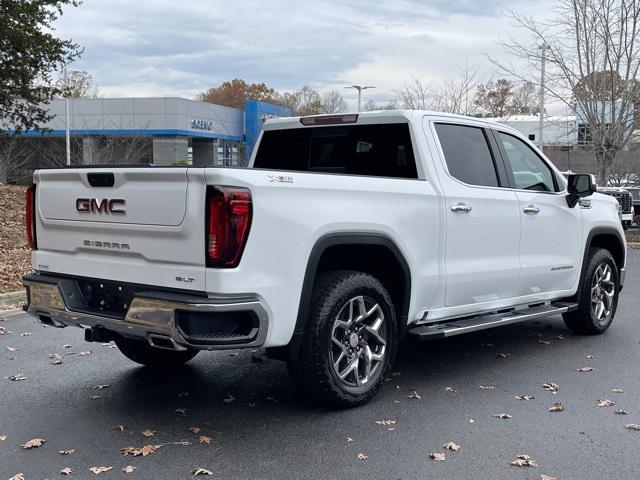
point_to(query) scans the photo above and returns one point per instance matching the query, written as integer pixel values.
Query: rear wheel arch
(373, 253)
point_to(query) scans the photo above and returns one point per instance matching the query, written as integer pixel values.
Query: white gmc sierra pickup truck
(346, 233)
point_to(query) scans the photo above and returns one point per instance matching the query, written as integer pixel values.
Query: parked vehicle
(625, 199)
(346, 233)
(635, 193)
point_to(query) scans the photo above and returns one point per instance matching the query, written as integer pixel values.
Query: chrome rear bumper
(151, 315)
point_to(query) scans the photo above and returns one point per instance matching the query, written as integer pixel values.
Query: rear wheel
(350, 340)
(597, 295)
(141, 352)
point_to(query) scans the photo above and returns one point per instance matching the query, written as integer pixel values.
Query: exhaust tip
(164, 342)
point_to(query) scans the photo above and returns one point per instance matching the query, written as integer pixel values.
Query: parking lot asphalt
(258, 427)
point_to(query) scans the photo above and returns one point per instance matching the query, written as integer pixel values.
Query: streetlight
(543, 59)
(360, 88)
(66, 109)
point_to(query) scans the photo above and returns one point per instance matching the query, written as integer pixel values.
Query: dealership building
(161, 131)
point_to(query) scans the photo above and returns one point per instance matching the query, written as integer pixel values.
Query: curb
(13, 297)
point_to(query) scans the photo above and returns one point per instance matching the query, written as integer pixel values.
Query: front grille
(625, 199)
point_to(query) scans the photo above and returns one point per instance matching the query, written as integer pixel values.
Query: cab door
(551, 232)
(482, 218)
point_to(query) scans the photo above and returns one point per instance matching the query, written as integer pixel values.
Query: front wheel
(141, 352)
(597, 295)
(349, 342)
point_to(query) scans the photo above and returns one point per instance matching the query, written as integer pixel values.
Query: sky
(180, 48)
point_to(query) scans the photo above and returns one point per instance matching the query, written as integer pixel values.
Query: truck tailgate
(137, 225)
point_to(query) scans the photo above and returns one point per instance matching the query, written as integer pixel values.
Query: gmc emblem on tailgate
(106, 205)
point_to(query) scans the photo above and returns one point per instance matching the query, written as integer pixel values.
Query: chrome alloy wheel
(602, 292)
(358, 341)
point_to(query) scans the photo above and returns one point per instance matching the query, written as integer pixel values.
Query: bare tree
(332, 102)
(592, 63)
(79, 85)
(496, 98)
(415, 95)
(14, 156)
(625, 169)
(305, 101)
(455, 94)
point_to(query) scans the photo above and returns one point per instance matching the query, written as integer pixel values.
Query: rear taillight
(30, 217)
(228, 221)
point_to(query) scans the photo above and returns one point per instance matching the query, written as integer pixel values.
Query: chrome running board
(490, 320)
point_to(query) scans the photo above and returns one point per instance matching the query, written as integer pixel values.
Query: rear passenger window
(467, 154)
(383, 150)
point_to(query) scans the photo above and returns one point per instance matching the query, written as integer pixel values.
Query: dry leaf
(120, 426)
(560, 337)
(3, 438)
(94, 397)
(414, 395)
(128, 469)
(589, 357)
(621, 412)
(449, 389)
(56, 362)
(605, 403)
(632, 426)
(451, 446)
(437, 457)
(230, 398)
(544, 342)
(34, 443)
(148, 433)
(585, 369)
(101, 387)
(17, 377)
(11, 349)
(503, 355)
(482, 387)
(181, 411)
(386, 423)
(349, 440)
(201, 471)
(361, 456)
(4, 331)
(617, 390)
(25, 334)
(524, 461)
(205, 439)
(66, 471)
(139, 451)
(503, 416)
(551, 387)
(18, 476)
(195, 430)
(66, 452)
(251, 404)
(557, 407)
(86, 354)
(98, 470)
(547, 477)
(524, 397)
(67, 346)
(471, 420)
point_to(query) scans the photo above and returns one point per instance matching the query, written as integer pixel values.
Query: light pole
(359, 88)
(543, 59)
(66, 108)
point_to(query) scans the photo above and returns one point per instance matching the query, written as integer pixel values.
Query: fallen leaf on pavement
(503, 355)
(128, 469)
(4, 331)
(201, 471)
(451, 446)
(139, 451)
(585, 369)
(85, 354)
(414, 395)
(98, 470)
(617, 390)
(349, 439)
(386, 423)
(621, 412)
(120, 426)
(589, 357)
(3, 438)
(361, 456)
(195, 430)
(524, 461)
(25, 334)
(490, 387)
(17, 377)
(545, 342)
(94, 397)
(230, 398)
(437, 457)
(449, 389)
(547, 477)
(251, 404)
(605, 403)
(67, 346)
(632, 426)
(66, 471)
(18, 476)
(181, 411)
(204, 439)
(11, 349)
(101, 387)
(504, 416)
(557, 407)
(551, 387)
(66, 452)
(148, 433)
(33, 443)
(524, 397)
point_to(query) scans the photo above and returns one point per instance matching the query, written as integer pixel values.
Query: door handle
(531, 210)
(461, 208)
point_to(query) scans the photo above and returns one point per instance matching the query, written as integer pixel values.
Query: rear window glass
(374, 150)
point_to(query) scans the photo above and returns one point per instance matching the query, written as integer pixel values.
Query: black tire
(313, 371)
(141, 352)
(584, 320)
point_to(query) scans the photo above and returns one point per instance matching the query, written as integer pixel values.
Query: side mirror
(580, 185)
